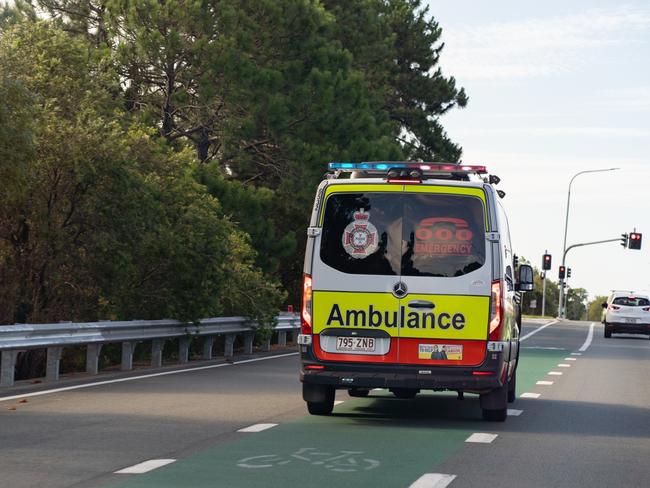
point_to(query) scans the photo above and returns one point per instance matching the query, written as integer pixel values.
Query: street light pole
(566, 226)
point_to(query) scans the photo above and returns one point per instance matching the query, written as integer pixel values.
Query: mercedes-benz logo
(400, 289)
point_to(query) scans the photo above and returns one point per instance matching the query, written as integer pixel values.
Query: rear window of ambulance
(412, 234)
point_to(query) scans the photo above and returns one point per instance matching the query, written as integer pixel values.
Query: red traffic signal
(562, 272)
(546, 262)
(634, 241)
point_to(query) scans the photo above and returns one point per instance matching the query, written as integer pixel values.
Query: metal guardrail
(54, 337)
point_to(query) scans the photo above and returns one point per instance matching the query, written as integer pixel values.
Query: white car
(628, 313)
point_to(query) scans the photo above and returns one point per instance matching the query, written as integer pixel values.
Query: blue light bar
(386, 165)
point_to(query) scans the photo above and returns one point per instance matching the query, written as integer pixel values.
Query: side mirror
(604, 304)
(525, 278)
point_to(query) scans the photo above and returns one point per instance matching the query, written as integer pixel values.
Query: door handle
(421, 304)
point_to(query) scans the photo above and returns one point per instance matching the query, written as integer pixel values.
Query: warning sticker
(451, 352)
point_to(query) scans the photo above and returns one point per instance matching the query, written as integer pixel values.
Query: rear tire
(358, 392)
(322, 408)
(495, 415)
(319, 398)
(608, 332)
(404, 393)
(494, 404)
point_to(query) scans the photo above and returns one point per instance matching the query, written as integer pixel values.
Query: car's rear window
(413, 234)
(632, 301)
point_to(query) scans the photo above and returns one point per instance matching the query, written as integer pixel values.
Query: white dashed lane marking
(513, 412)
(570, 359)
(563, 365)
(576, 354)
(481, 438)
(145, 466)
(545, 383)
(555, 373)
(257, 427)
(530, 395)
(433, 480)
(338, 402)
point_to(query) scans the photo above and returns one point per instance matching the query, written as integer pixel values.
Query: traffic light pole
(566, 227)
(560, 304)
(544, 295)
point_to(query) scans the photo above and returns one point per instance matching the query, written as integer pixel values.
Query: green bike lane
(379, 440)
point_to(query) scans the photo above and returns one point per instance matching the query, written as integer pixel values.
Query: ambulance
(410, 284)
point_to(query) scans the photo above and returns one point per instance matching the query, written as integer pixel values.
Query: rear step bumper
(491, 374)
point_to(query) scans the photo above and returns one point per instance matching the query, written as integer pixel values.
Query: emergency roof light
(425, 167)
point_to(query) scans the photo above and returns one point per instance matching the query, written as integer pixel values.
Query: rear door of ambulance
(355, 265)
(401, 274)
(447, 271)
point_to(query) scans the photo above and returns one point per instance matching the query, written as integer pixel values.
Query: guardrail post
(157, 347)
(282, 337)
(208, 342)
(127, 355)
(229, 346)
(266, 344)
(92, 358)
(8, 368)
(183, 349)
(248, 342)
(53, 362)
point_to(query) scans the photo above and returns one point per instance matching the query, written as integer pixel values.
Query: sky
(556, 88)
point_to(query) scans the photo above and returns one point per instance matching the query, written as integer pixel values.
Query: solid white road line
(590, 336)
(537, 330)
(433, 480)
(257, 427)
(513, 412)
(570, 359)
(555, 373)
(530, 395)
(481, 438)
(145, 466)
(563, 365)
(140, 377)
(545, 383)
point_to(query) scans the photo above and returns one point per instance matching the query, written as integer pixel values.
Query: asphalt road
(590, 427)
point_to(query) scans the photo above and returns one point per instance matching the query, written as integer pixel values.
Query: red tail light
(646, 309)
(496, 311)
(614, 307)
(305, 315)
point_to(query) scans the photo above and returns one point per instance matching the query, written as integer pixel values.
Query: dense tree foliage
(159, 158)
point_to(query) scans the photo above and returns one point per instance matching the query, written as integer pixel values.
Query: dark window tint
(413, 234)
(362, 233)
(632, 301)
(444, 235)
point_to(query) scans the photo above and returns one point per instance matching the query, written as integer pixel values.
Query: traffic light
(562, 272)
(624, 240)
(568, 272)
(635, 240)
(546, 262)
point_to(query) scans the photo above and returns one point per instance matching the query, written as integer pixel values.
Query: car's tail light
(646, 309)
(614, 307)
(306, 312)
(496, 311)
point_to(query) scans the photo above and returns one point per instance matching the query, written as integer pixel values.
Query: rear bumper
(489, 375)
(627, 328)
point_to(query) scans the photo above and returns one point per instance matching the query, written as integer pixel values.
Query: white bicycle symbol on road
(343, 462)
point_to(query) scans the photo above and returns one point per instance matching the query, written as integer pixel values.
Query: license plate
(631, 321)
(355, 344)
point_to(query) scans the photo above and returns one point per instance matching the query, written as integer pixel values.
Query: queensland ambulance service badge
(360, 236)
